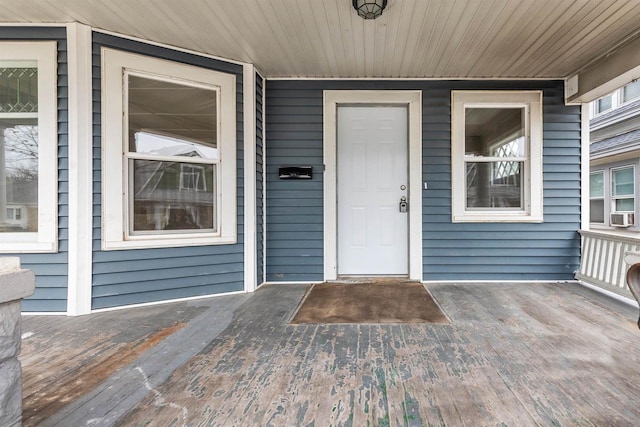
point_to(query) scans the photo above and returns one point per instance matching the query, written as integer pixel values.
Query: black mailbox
(295, 172)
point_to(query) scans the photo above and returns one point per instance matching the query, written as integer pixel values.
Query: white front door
(372, 178)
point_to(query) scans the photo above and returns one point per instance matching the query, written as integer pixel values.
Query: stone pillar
(15, 284)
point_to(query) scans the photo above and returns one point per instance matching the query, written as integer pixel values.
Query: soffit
(326, 39)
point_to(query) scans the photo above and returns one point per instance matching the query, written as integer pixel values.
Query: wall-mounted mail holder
(295, 172)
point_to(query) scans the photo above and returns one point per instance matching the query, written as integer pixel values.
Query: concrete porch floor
(513, 354)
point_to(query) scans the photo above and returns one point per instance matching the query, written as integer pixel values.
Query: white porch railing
(602, 261)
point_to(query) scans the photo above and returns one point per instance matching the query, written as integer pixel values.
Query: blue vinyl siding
(259, 181)
(51, 269)
(145, 275)
(460, 251)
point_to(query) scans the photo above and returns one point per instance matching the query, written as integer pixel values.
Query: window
(14, 214)
(28, 147)
(171, 180)
(596, 197)
(604, 104)
(497, 156)
(612, 191)
(616, 99)
(631, 91)
(622, 189)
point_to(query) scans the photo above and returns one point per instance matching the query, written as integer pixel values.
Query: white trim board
(167, 46)
(80, 170)
(610, 294)
(410, 98)
(148, 304)
(292, 283)
(496, 282)
(264, 181)
(250, 235)
(585, 168)
(420, 79)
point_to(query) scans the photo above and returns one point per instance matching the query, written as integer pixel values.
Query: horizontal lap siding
(493, 251)
(294, 207)
(145, 275)
(469, 251)
(259, 181)
(51, 269)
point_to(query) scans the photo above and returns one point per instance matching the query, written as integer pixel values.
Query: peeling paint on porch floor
(514, 354)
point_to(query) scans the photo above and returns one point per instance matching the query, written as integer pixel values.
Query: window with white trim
(616, 99)
(496, 155)
(631, 91)
(604, 104)
(28, 147)
(169, 147)
(612, 191)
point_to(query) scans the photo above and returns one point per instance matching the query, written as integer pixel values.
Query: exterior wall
(124, 277)
(451, 251)
(259, 181)
(50, 269)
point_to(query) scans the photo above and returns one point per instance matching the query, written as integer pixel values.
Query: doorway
(356, 238)
(372, 191)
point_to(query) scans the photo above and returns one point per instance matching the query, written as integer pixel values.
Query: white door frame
(411, 99)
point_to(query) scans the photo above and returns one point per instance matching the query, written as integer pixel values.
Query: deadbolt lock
(403, 204)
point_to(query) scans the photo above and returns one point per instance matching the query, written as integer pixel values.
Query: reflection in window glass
(604, 104)
(486, 191)
(622, 182)
(596, 194)
(596, 184)
(596, 211)
(622, 189)
(489, 129)
(162, 145)
(168, 121)
(492, 134)
(162, 201)
(19, 148)
(631, 91)
(181, 113)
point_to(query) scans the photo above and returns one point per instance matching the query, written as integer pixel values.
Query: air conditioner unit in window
(621, 219)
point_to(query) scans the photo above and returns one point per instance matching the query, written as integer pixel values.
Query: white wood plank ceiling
(412, 39)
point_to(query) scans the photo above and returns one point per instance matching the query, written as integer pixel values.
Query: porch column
(15, 284)
(250, 218)
(80, 169)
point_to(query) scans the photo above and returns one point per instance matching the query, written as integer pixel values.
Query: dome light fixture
(369, 9)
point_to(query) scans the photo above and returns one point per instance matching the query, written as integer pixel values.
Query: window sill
(497, 217)
(173, 242)
(27, 247)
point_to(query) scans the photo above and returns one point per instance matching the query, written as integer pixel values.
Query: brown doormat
(387, 302)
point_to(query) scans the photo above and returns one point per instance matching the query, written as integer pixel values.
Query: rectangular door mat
(376, 302)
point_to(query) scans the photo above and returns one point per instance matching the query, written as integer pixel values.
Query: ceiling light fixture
(369, 9)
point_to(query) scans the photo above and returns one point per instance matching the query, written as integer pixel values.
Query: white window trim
(114, 187)
(46, 238)
(632, 196)
(532, 181)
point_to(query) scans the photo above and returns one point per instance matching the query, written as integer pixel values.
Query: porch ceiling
(412, 39)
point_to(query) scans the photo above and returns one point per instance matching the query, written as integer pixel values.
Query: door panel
(372, 169)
